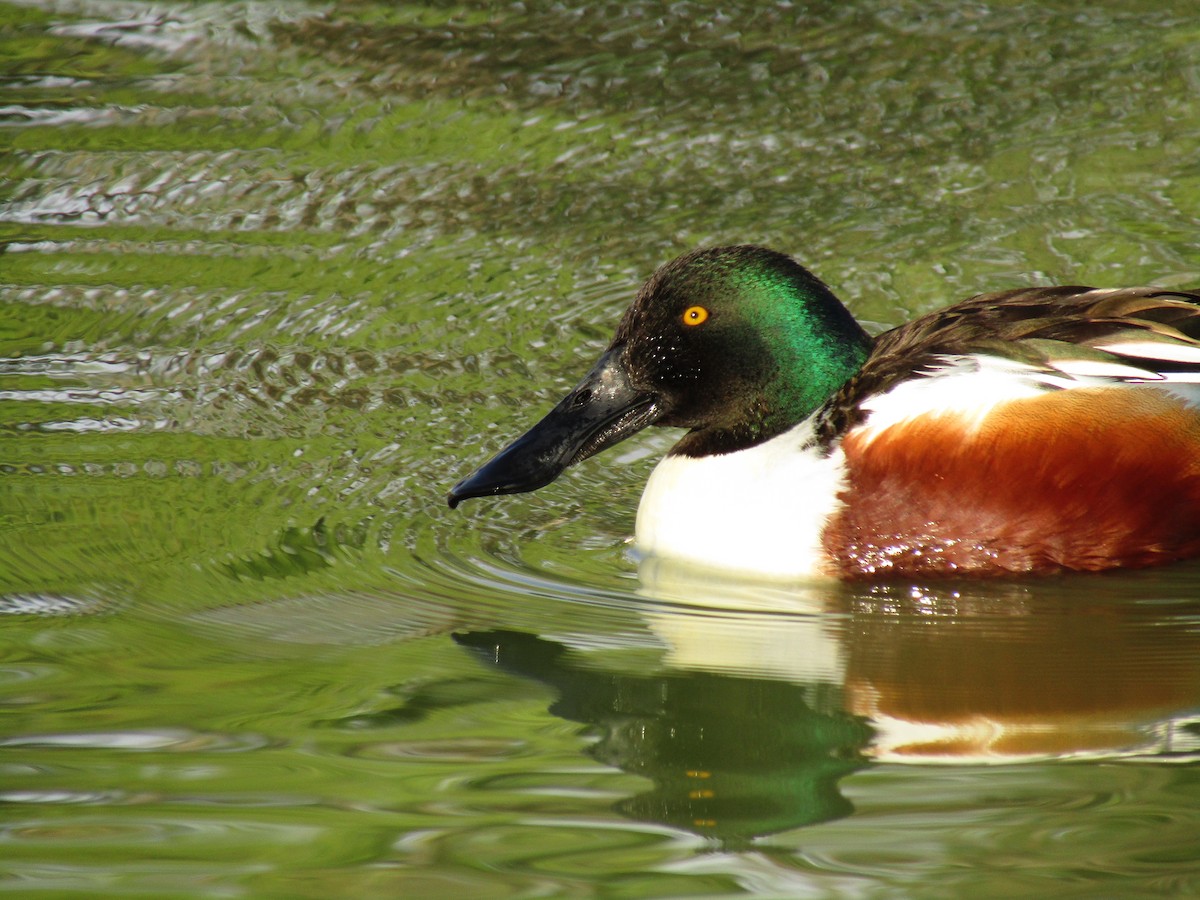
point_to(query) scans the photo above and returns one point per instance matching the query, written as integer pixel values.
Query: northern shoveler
(1027, 431)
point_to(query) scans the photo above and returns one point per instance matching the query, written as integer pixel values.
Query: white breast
(759, 511)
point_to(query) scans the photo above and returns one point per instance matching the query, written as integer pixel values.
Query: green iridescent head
(736, 344)
(740, 342)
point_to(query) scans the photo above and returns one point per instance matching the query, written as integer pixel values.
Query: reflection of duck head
(730, 757)
(971, 672)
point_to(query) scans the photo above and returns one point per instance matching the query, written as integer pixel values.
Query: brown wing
(1038, 326)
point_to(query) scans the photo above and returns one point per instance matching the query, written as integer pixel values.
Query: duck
(1030, 431)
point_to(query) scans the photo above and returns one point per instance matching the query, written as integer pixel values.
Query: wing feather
(1051, 338)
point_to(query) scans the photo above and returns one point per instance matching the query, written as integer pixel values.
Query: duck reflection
(766, 697)
(1040, 678)
(730, 757)
(975, 672)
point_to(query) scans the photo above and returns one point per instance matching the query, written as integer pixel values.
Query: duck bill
(602, 410)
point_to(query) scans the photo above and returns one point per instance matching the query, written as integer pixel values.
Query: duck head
(735, 344)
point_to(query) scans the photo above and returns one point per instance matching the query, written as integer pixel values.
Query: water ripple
(275, 275)
(179, 740)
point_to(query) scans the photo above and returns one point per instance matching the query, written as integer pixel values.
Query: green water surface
(274, 275)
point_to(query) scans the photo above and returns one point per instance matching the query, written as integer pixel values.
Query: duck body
(1024, 432)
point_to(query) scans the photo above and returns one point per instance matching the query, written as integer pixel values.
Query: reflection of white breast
(760, 630)
(760, 510)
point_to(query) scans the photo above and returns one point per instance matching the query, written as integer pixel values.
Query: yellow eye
(694, 315)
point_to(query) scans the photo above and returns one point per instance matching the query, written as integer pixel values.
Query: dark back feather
(1004, 324)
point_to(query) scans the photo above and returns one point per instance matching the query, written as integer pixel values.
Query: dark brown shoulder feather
(1026, 324)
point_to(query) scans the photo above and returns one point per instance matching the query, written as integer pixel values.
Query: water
(275, 275)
